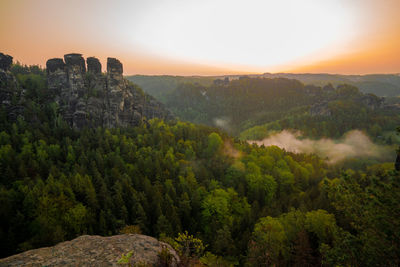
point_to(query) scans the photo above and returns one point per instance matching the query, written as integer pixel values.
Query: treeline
(346, 112)
(239, 102)
(279, 103)
(161, 86)
(252, 205)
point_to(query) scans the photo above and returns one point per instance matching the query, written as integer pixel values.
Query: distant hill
(239, 106)
(387, 85)
(378, 84)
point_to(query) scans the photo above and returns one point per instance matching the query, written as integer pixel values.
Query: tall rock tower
(91, 98)
(9, 89)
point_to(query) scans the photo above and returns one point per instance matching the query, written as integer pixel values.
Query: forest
(383, 85)
(248, 205)
(252, 108)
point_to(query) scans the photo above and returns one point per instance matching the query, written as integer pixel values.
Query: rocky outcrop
(55, 64)
(369, 101)
(93, 65)
(90, 98)
(5, 61)
(75, 61)
(10, 94)
(96, 251)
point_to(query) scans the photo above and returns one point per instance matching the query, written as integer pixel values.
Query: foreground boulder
(96, 251)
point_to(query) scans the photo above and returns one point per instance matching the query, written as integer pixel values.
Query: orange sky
(209, 37)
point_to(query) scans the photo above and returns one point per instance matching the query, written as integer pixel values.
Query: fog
(223, 123)
(353, 144)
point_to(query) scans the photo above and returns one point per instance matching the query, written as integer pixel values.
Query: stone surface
(114, 66)
(55, 64)
(96, 100)
(75, 60)
(10, 93)
(95, 251)
(5, 61)
(93, 65)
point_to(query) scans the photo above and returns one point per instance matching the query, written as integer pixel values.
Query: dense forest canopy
(251, 205)
(252, 108)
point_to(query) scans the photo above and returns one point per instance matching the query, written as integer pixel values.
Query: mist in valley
(353, 144)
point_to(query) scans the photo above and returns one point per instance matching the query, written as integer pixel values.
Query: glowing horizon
(174, 37)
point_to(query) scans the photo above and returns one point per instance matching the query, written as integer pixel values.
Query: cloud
(353, 144)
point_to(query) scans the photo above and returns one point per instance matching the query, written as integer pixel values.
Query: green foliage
(322, 224)
(188, 246)
(254, 108)
(126, 258)
(165, 257)
(239, 104)
(262, 187)
(268, 244)
(161, 86)
(251, 205)
(368, 205)
(214, 144)
(131, 229)
(212, 260)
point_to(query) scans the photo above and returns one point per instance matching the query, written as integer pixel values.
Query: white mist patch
(353, 144)
(223, 123)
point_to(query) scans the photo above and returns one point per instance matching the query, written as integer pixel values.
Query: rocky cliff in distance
(87, 97)
(97, 251)
(369, 101)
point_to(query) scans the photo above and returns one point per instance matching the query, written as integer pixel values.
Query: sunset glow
(209, 37)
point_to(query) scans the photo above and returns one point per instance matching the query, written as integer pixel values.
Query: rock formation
(9, 89)
(96, 251)
(5, 61)
(93, 65)
(90, 98)
(369, 101)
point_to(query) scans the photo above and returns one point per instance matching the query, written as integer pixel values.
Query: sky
(208, 37)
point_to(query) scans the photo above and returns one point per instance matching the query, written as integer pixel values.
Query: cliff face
(9, 91)
(96, 251)
(87, 97)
